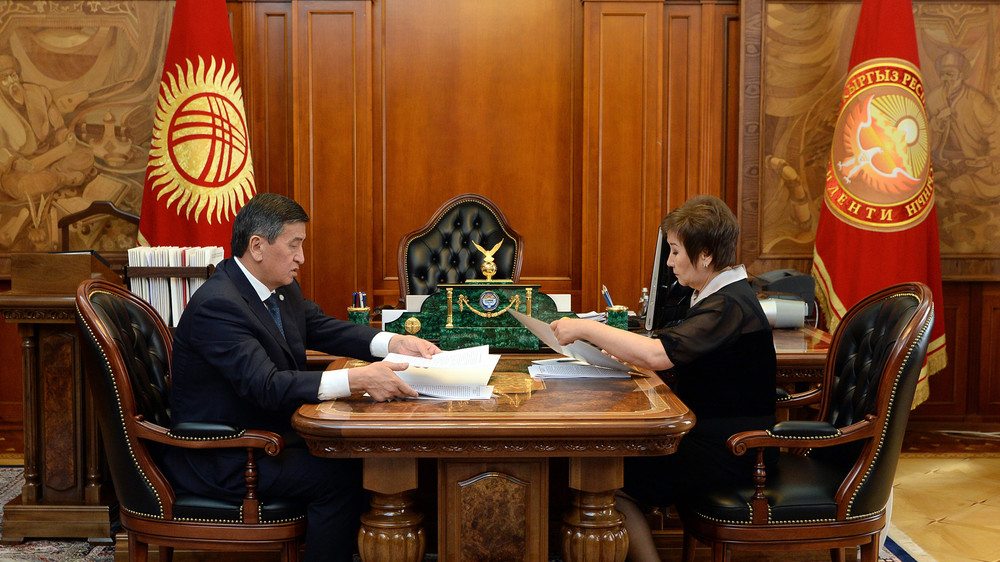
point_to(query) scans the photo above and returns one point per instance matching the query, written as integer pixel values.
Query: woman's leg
(640, 539)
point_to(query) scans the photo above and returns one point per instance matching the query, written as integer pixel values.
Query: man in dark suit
(237, 363)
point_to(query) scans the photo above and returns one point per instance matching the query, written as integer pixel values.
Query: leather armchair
(128, 350)
(833, 476)
(442, 251)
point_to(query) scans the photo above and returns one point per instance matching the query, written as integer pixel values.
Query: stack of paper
(579, 350)
(459, 374)
(565, 368)
(169, 295)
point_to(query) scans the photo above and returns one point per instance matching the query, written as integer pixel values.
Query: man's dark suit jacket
(232, 366)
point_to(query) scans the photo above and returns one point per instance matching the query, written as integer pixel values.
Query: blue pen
(607, 295)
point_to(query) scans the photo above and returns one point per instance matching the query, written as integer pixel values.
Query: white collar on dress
(725, 277)
(262, 291)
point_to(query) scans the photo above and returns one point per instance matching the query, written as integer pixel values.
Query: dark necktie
(272, 306)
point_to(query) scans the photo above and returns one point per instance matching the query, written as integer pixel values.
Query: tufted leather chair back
(129, 376)
(442, 251)
(872, 370)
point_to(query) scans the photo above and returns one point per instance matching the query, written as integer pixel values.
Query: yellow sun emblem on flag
(199, 157)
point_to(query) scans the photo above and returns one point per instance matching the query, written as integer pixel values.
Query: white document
(579, 349)
(574, 370)
(454, 391)
(472, 365)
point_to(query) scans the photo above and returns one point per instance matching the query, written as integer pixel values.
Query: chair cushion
(798, 489)
(201, 508)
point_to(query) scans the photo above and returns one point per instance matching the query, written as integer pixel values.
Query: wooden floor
(946, 495)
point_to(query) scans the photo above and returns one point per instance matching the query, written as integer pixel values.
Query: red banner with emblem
(199, 172)
(878, 223)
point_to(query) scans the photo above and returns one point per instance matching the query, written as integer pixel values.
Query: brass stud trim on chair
(121, 418)
(892, 400)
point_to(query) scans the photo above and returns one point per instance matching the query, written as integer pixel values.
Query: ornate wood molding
(507, 448)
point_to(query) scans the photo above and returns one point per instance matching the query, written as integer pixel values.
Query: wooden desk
(494, 458)
(801, 354)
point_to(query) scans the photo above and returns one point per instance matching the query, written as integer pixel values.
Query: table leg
(593, 529)
(392, 530)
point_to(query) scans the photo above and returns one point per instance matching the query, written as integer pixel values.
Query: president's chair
(128, 372)
(444, 251)
(832, 479)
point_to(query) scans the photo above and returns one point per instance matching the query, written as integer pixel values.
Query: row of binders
(170, 294)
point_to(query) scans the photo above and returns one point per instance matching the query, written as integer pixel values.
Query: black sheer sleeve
(714, 323)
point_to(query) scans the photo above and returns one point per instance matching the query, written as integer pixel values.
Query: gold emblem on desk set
(412, 325)
(463, 302)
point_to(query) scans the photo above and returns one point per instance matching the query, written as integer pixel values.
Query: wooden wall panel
(11, 390)
(723, 120)
(948, 387)
(332, 109)
(269, 44)
(682, 99)
(479, 97)
(622, 146)
(989, 368)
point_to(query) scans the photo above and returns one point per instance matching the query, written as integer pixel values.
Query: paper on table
(577, 350)
(574, 371)
(454, 391)
(472, 365)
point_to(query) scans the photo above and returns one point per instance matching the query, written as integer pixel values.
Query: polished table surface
(801, 354)
(638, 414)
(592, 422)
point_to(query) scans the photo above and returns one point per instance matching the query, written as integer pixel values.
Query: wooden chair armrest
(800, 399)
(796, 435)
(270, 442)
(215, 436)
(793, 435)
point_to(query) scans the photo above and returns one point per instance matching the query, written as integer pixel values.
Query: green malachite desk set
(475, 312)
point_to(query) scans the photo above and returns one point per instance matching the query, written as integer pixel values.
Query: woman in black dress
(719, 359)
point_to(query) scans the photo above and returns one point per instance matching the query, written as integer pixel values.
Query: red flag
(199, 172)
(878, 225)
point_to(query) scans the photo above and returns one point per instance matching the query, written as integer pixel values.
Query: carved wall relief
(796, 57)
(78, 87)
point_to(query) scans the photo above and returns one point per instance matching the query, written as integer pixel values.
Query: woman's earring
(705, 265)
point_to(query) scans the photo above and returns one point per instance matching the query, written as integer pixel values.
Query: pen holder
(617, 316)
(358, 315)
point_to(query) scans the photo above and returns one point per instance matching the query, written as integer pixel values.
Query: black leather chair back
(867, 362)
(442, 251)
(128, 375)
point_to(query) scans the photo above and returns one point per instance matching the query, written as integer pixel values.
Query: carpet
(11, 480)
(897, 547)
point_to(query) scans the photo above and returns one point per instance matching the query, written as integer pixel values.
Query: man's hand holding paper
(473, 365)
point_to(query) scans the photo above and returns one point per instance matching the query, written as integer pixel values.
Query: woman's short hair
(264, 215)
(705, 223)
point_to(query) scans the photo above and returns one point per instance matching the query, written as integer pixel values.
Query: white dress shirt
(334, 384)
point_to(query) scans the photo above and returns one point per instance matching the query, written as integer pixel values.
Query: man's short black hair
(264, 215)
